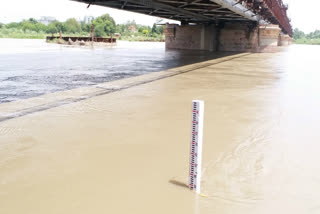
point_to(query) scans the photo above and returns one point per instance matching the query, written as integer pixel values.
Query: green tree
(104, 25)
(13, 25)
(60, 26)
(32, 21)
(99, 31)
(314, 35)
(32, 25)
(120, 28)
(317, 34)
(145, 32)
(161, 29)
(141, 28)
(85, 27)
(86, 24)
(40, 27)
(27, 25)
(52, 29)
(154, 29)
(72, 26)
(1, 25)
(298, 34)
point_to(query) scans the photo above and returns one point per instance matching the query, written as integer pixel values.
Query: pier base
(191, 37)
(234, 37)
(284, 40)
(268, 38)
(238, 38)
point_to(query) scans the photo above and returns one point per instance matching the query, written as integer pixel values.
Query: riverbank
(305, 41)
(20, 34)
(123, 146)
(82, 41)
(7, 33)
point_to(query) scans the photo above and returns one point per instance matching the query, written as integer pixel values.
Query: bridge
(224, 25)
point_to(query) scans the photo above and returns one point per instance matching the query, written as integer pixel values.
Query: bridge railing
(274, 11)
(279, 11)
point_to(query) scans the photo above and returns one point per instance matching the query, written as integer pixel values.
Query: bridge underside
(186, 11)
(245, 16)
(206, 11)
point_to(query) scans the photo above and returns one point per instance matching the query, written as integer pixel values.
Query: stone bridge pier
(237, 37)
(284, 40)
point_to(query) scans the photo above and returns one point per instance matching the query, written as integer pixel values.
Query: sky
(303, 13)
(17, 10)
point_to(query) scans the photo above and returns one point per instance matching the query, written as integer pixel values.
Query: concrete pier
(191, 37)
(236, 37)
(268, 38)
(285, 40)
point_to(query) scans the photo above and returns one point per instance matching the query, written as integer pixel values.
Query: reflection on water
(30, 68)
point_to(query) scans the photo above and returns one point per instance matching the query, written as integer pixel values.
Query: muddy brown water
(124, 147)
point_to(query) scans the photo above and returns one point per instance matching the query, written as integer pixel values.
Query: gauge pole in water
(196, 145)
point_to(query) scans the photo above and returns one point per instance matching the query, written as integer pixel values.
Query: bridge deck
(206, 11)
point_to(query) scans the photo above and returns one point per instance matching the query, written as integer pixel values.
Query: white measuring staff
(196, 145)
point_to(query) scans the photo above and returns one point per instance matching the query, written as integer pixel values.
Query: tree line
(302, 38)
(103, 26)
(298, 34)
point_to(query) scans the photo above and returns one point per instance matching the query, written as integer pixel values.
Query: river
(123, 146)
(31, 68)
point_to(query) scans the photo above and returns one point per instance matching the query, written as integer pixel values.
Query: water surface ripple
(31, 68)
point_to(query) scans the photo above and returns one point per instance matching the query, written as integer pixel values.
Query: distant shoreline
(130, 39)
(307, 41)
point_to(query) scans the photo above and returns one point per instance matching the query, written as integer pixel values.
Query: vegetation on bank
(312, 38)
(104, 26)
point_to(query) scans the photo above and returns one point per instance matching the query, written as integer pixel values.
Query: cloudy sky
(15, 10)
(303, 13)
